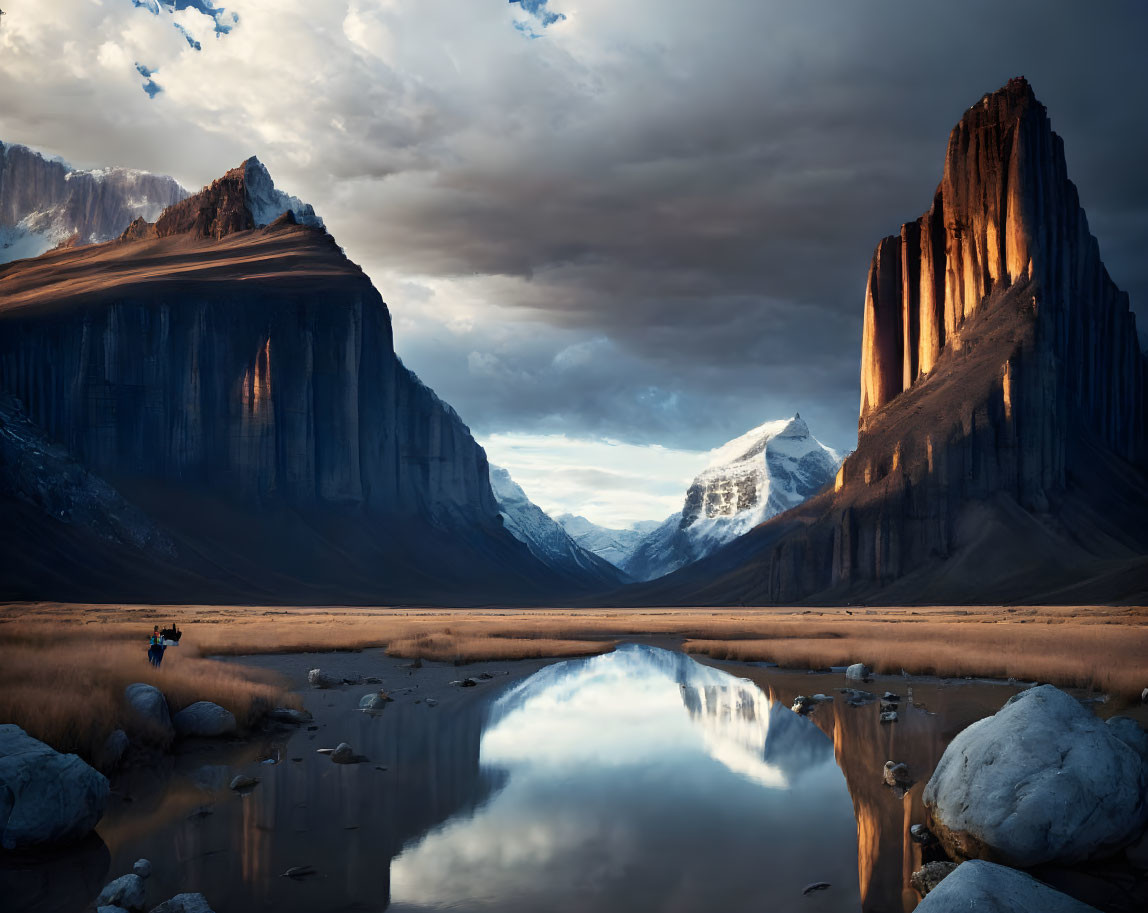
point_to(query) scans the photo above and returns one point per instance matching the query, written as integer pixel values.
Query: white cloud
(611, 483)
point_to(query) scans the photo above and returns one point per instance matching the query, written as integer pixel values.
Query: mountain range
(200, 401)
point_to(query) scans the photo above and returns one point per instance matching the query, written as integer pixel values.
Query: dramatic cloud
(646, 221)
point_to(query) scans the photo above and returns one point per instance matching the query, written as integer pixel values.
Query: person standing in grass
(155, 647)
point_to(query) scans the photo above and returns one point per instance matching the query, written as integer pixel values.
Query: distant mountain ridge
(546, 538)
(45, 203)
(762, 473)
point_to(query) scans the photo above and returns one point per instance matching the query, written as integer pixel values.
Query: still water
(636, 780)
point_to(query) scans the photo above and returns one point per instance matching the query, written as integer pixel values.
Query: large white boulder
(1042, 780)
(46, 797)
(204, 719)
(149, 711)
(983, 887)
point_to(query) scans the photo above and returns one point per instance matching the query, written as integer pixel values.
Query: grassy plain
(63, 667)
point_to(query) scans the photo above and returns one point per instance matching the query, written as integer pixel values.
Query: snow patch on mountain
(546, 539)
(267, 203)
(614, 545)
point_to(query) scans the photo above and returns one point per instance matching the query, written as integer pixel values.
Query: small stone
(127, 891)
(922, 835)
(243, 781)
(887, 706)
(889, 717)
(815, 887)
(930, 875)
(184, 903)
(375, 701)
(897, 775)
(891, 696)
(372, 680)
(343, 754)
(317, 678)
(431, 702)
(468, 683)
(203, 719)
(142, 867)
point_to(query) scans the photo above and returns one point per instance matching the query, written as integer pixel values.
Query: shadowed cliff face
(1004, 406)
(253, 368)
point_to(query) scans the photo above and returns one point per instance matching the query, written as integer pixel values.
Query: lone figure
(155, 647)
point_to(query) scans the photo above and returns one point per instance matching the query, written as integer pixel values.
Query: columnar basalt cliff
(239, 385)
(1004, 404)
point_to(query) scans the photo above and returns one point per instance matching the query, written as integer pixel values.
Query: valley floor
(51, 651)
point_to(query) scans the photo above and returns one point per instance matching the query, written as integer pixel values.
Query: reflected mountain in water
(740, 726)
(641, 779)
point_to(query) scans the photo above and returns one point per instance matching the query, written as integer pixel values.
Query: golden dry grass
(63, 667)
(65, 686)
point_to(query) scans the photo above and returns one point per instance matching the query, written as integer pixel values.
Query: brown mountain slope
(1001, 454)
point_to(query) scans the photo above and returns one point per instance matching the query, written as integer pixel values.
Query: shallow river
(636, 780)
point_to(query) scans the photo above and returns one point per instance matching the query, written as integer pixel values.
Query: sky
(638, 227)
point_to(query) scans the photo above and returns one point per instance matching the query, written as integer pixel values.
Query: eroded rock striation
(1004, 404)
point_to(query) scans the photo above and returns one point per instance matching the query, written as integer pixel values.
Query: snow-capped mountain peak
(748, 480)
(267, 203)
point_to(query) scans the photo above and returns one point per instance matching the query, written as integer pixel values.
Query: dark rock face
(252, 370)
(1004, 405)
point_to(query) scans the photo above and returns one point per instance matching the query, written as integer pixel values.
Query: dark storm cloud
(716, 223)
(653, 222)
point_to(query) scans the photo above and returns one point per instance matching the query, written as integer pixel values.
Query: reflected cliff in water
(642, 779)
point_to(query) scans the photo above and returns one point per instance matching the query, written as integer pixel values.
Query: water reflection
(641, 779)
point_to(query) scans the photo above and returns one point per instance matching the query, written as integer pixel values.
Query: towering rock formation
(45, 203)
(239, 386)
(1004, 404)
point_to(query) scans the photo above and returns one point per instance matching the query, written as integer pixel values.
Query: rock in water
(142, 867)
(375, 701)
(126, 891)
(931, 874)
(243, 781)
(1042, 780)
(184, 903)
(46, 798)
(343, 754)
(858, 672)
(988, 888)
(204, 719)
(150, 712)
(317, 678)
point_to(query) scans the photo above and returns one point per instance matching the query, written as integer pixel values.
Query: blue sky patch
(150, 86)
(224, 21)
(540, 15)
